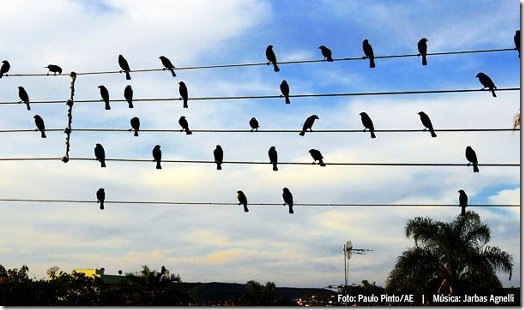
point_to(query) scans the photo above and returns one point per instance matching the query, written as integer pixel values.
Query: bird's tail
(329, 59)
(275, 66)
(101, 205)
(28, 107)
(128, 76)
(321, 163)
(371, 62)
(433, 134)
(463, 212)
(291, 209)
(219, 166)
(373, 134)
(108, 107)
(136, 133)
(172, 72)
(102, 164)
(493, 92)
(424, 61)
(476, 168)
(185, 103)
(158, 166)
(246, 209)
(275, 168)
(287, 100)
(43, 134)
(188, 132)
(130, 104)
(302, 132)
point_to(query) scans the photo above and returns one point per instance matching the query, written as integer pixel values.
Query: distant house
(108, 279)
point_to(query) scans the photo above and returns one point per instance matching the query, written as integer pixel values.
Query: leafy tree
(449, 258)
(258, 295)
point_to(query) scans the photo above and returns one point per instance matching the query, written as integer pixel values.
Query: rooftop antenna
(349, 250)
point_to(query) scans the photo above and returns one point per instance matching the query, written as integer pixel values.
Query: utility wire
(254, 204)
(280, 63)
(263, 130)
(441, 91)
(258, 162)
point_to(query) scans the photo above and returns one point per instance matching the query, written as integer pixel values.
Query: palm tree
(449, 258)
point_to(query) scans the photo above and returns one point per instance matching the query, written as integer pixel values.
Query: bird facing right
(135, 125)
(5, 68)
(253, 123)
(308, 124)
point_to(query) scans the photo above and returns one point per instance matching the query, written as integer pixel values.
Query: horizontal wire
(442, 91)
(262, 130)
(256, 162)
(266, 63)
(253, 204)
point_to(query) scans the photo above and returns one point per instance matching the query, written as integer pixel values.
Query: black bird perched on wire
(368, 123)
(487, 83)
(308, 124)
(122, 62)
(218, 153)
(182, 90)
(273, 157)
(157, 155)
(424, 118)
(242, 200)
(270, 55)
(284, 88)
(463, 201)
(135, 124)
(24, 97)
(471, 156)
(317, 156)
(101, 197)
(39, 122)
(128, 94)
(184, 124)
(368, 51)
(5, 68)
(516, 38)
(288, 199)
(53, 68)
(100, 154)
(423, 50)
(167, 64)
(326, 52)
(254, 124)
(105, 96)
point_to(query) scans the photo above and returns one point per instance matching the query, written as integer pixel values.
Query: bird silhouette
(273, 157)
(487, 82)
(284, 88)
(516, 39)
(157, 155)
(242, 200)
(471, 156)
(317, 156)
(254, 124)
(135, 124)
(288, 199)
(167, 64)
(270, 55)
(105, 96)
(100, 154)
(122, 62)
(424, 118)
(308, 124)
(5, 68)
(219, 156)
(182, 90)
(53, 68)
(128, 94)
(463, 201)
(368, 123)
(185, 126)
(101, 197)
(368, 51)
(423, 50)
(326, 52)
(24, 97)
(39, 122)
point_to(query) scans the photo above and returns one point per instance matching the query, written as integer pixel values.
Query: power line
(265, 63)
(253, 204)
(262, 130)
(259, 162)
(413, 92)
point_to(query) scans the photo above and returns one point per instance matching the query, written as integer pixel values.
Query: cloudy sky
(222, 243)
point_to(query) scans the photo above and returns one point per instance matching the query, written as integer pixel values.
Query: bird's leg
(268, 63)
(469, 164)
(164, 69)
(425, 128)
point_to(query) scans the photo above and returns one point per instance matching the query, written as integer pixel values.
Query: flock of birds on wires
(218, 152)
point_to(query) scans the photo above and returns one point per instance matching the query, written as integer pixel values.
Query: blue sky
(213, 243)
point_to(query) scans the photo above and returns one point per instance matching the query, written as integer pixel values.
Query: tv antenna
(349, 250)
